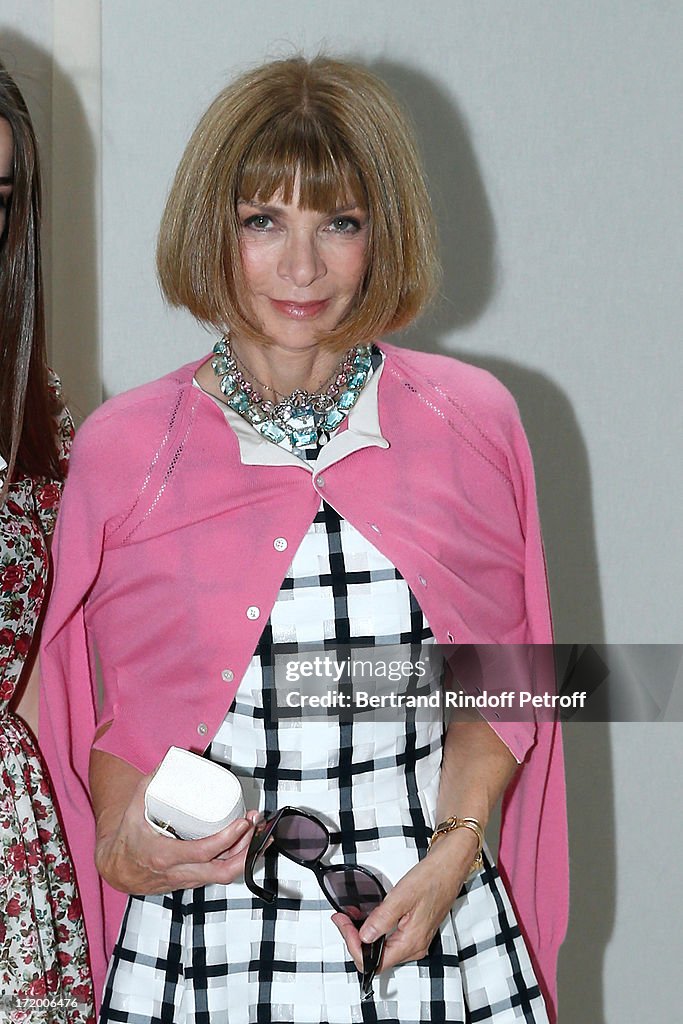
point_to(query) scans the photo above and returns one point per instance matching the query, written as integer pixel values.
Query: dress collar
(362, 431)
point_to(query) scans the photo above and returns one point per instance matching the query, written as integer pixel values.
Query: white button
(227, 675)
(375, 527)
(422, 580)
(320, 480)
(202, 728)
(280, 544)
(253, 612)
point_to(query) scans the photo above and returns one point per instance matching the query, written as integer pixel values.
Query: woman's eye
(259, 222)
(345, 225)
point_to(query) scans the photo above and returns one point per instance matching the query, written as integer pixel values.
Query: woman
(307, 486)
(44, 971)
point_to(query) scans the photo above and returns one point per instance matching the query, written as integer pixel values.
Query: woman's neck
(277, 371)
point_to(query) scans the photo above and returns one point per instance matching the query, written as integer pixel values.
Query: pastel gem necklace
(304, 418)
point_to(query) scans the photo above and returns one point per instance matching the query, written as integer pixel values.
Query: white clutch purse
(192, 798)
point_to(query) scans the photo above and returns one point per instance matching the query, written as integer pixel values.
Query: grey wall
(551, 135)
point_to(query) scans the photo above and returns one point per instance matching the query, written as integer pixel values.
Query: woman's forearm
(475, 771)
(112, 785)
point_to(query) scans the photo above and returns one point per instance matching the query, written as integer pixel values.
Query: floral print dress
(44, 972)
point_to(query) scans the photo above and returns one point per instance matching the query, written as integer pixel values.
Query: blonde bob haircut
(337, 130)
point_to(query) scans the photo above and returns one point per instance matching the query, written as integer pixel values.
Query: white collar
(363, 431)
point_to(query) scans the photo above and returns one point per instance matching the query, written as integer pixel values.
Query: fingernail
(368, 933)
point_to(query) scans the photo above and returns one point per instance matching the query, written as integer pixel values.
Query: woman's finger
(180, 852)
(387, 915)
(204, 850)
(217, 872)
(238, 849)
(349, 933)
(405, 945)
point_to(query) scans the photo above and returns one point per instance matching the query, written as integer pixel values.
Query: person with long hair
(306, 487)
(44, 971)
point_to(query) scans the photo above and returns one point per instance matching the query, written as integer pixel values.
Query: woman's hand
(133, 858)
(476, 768)
(413, 910)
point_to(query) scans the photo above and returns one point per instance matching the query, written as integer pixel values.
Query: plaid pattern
(218, 954)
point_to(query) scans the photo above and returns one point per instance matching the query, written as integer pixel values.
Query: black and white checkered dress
(217, 954)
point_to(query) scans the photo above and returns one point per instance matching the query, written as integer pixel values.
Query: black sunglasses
(351, 889)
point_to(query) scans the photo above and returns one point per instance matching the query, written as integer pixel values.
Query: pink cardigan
(164, 550)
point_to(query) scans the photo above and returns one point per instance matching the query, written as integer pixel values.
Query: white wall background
(551, 135)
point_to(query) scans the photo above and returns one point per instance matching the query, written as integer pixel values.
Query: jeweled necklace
(303, 418)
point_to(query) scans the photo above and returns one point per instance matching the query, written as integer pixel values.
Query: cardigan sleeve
(533, 841)
(488, 586)
(93, 494)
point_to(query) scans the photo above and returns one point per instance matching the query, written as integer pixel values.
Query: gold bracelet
(453, 823)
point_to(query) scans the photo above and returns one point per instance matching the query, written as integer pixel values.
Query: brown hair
(341, 130)
(27, 407)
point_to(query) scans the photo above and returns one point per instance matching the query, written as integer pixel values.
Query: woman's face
(303, 268)
(6, 166)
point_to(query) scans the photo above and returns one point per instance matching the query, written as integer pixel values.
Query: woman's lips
(299, 310)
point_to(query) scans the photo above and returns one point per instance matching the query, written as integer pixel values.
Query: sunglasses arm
(255, 848)
(258, 890)
(372, 954)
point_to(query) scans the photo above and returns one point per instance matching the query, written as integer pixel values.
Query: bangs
(299, 149)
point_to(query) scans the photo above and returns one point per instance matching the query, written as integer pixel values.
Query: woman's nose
(300, 262)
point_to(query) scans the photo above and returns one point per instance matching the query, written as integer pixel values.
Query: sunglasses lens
(355, 892)
(301, 837)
